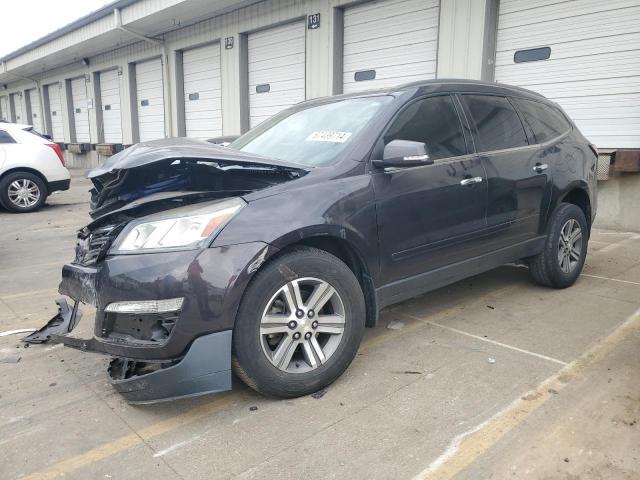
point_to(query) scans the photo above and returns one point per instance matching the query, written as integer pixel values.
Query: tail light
(56, 148)
(594, 149)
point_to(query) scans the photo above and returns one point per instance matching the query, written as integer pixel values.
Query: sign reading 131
(313, 21)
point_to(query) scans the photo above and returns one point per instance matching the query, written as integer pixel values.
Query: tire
(257, 359)
(17, 184)
(550, 267)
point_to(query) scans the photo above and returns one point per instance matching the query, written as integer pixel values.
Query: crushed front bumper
(195, 356)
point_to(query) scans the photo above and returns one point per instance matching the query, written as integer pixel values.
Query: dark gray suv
(275, 252)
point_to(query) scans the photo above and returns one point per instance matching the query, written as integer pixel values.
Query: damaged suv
(271, 255)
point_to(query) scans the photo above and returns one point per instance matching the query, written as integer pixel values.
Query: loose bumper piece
(206, 368)
(64, 321)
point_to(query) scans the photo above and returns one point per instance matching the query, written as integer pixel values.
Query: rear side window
(496, 122)
(545, 122)
(433, 121)
(6, 138)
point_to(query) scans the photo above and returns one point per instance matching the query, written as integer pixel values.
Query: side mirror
(404, 153)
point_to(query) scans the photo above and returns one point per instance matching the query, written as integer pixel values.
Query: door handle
(470, 181)
(540, 167)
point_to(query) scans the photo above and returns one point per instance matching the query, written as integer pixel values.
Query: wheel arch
(578, 195)
(28, 170)
(348, 253)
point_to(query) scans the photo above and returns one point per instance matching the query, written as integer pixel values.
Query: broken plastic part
(65, 320)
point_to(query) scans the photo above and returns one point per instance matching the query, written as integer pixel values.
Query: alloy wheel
(570, 246)
(23, 193)
(302, 325)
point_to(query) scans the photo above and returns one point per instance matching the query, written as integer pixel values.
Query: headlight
(190, 230)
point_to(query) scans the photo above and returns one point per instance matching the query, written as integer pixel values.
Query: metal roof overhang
(98, 33)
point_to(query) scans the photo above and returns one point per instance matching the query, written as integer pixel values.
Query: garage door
(389, 42)
(55, 111)
(584, 54)
(276, 70)
(16, 100)
(4, 108)
(36, 111)
(202, 92)
(110, 104)
(80, 110)
(150, 98)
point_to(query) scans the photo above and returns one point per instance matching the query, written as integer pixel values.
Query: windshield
(313, 136)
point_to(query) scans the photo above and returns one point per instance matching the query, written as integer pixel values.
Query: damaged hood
(180, 148)
(186, 169)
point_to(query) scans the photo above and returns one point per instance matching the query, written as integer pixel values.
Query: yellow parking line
(133, 439)
(222, 400)
(465, 449)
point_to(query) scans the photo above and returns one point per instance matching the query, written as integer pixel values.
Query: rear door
(433, 215)
(80, 110)
(518, 181)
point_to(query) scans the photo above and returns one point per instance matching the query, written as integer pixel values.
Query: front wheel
(299, 324)
(565, 249)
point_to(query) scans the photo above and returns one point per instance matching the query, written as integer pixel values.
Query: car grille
(94, 247)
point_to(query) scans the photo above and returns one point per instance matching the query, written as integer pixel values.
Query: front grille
(94, 247)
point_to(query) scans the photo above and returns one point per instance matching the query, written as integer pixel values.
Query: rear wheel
(22, 192)
(299, 325)
(561, 261)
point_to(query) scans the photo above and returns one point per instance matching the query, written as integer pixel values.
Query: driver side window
(433, 121)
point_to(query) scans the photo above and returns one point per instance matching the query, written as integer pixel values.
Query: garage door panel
(202, 91)
(4, 108)
(150, 90)
(80, 110)
(594, 68)
(276, 58)
(591, 47)
(36, 111)
(566, 29)
(55, 112)
(373, 11)
(396, 38)
(388, 57)
(552, 12)
(111, 112)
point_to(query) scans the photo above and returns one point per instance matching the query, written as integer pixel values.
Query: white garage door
(36, 111)
(389, 42)
(110, 102)
(18, 107)
(276, 70)
(4, 108)
(593, 65)
(150, 98)
(55, 111)
(80, 110)
(202, 92)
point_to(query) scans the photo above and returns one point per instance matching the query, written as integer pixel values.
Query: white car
(31, 168)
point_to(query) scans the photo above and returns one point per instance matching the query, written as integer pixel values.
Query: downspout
(165, 65)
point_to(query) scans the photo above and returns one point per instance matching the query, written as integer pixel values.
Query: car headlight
(190, 230)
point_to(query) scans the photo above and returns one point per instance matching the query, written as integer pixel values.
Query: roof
(81, 22)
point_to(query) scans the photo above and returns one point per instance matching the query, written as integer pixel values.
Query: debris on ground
(319, 394)
(11, 359)
(491, 360)
(253, 408)
(491, 307)
(395, 325)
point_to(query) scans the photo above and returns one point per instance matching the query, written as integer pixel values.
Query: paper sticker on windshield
(328, 136)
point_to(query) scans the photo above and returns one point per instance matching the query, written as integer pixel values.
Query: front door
(433, 215)
(517, 191)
